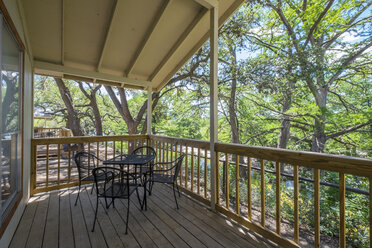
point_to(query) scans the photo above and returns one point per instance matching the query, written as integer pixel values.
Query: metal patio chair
(116, 184)
(167, 176)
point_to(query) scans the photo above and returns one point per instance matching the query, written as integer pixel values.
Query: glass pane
(10, 70)
(10, 109)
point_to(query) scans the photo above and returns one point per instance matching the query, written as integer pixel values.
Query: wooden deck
(52, 220)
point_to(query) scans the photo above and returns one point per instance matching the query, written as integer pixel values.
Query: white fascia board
(46, 68)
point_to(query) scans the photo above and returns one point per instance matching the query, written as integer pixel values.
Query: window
(11, 120)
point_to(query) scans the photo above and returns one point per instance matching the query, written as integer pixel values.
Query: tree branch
(349, 130)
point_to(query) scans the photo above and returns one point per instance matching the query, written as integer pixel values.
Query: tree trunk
(285, 123)
(319, 137)
(92, 97)
(73, 119)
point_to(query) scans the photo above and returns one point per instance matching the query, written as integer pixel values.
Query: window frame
(8, 21)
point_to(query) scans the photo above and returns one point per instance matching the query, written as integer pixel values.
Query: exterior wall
(14, 12)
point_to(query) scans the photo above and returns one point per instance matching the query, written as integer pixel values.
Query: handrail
(346, 164)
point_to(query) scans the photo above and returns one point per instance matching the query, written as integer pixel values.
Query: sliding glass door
(11, 120)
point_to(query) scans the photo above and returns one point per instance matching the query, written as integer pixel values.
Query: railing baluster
(89, 171)
(198, 179)
(237, 200)
(218, 188)
(167, 160)
(296, 207)
(59, 163)
(263, 213)
(187, 166)
(106, 150)
(181, 174)
(192, 169)
(69, 163)
(97, 150)
(47, 166)
(249, 193)
(316, 207)
(114, 150)
(342, 210)
(227, 190)
(121, 147)
(205, 172)
(278, 216)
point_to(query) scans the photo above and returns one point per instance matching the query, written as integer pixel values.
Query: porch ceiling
(118, 42)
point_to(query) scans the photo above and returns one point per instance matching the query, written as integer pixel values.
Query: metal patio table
(137, 164)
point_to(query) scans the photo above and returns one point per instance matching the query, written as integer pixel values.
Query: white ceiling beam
(178, 43)
(59, 70)
(62, 32)
(109, 30)
(148, 34)
(198, 45)
(207, 3)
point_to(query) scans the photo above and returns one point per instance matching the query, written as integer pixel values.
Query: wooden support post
(149, 109)
(213, 98)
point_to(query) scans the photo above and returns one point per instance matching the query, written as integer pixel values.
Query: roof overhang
(123, 43)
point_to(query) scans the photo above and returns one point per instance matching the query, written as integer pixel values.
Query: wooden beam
(114, 13)
(62, 32)
(178, 43)
(149, 109)
(213, 99)
(144, 43)
(46, 68)
(208, 3)
(198, 45)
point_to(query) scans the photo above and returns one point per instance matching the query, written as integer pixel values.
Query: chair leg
(139, 199)
(91, 192)
(179, 194)
(175, 198)
(95, 215)
(78, 194)
(126, 227)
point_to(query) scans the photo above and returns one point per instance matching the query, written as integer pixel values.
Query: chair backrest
(144, 150)
(178, 165)
(112, 182)
(85, 163)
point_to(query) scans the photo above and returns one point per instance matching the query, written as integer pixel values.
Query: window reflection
(10, 107)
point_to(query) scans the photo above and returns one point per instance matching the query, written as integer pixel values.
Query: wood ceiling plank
(150, 31)
(205, 37)
(114, 12)
(179, 41)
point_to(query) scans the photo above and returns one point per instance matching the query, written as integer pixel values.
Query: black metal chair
(85, 163)
(168, 176)
(117, 184)
(145, 150)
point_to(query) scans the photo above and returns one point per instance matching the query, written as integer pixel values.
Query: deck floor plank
(35, 238)
(163, 227)
(96, 238)
(24, 226)
(187, 224)
(81, 237)
(221, 239)
(66, 234)
(52, 220)
(108, 230)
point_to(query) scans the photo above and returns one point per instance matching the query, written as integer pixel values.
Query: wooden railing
(236, 167)
(51, 132)
(52, 165)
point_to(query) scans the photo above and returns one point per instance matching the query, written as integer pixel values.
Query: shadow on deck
(52, 220)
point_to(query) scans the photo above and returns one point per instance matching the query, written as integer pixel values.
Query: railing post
(213, 99)
(149, 109)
